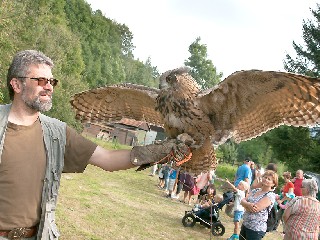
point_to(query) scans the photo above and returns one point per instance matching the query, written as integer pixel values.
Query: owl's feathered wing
(111, 103)
(249, 103)
(243, 106)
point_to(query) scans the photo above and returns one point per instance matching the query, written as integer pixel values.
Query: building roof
(131, 122)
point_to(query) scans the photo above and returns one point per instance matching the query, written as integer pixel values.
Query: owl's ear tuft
(181, 70)
(170, 76)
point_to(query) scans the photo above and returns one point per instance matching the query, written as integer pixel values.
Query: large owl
(243, 106)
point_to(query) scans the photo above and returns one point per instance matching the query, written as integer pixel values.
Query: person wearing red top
(288, 188)
(297, 181)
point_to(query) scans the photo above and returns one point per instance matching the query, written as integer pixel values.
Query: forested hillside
(89, 50)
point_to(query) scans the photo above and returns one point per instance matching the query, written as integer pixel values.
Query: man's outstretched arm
(111, 160)
(143, 156)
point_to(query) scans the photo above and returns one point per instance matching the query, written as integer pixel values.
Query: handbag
(195, 190)
(229, 210)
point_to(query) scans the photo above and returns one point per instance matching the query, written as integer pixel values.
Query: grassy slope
(124, 205)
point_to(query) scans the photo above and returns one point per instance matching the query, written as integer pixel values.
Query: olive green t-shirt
(22, 171)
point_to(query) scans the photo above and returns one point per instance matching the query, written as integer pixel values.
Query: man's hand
(166, 151)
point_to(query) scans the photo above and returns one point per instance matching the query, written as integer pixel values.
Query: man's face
(37, 97)
(299, 174)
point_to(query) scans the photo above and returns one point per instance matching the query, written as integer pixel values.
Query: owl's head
(177, 78)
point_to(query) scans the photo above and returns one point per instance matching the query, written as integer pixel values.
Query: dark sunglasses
(43, 81)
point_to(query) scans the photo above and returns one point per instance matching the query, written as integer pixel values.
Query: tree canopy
(307, 59)
(294, 147)
(202, 68)
(88, 49)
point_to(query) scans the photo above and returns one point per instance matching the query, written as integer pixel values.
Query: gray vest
(54, 135)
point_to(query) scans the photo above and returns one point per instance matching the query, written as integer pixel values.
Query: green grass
(100, 205)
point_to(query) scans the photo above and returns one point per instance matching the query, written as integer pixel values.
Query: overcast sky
(239, 34)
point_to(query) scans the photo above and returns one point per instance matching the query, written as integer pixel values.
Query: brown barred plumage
(243, 106)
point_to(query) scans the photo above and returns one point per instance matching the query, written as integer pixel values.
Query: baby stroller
(208, 217)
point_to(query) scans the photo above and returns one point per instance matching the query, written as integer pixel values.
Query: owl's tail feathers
(203, 159)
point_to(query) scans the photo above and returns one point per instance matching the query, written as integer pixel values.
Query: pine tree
(307, 60)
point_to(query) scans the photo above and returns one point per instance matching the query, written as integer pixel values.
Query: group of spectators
(296, 203)
(175, 180)
(299, 210)
(255, 195)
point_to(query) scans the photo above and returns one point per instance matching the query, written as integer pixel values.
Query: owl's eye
(171, 78)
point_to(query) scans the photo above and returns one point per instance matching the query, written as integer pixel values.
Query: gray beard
(39, 106)
(35, 103)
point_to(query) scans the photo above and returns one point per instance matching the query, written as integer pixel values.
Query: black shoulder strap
(266, 194)
(268, 208)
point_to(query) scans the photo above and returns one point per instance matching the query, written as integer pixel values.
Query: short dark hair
(21, 63)
(272, 167)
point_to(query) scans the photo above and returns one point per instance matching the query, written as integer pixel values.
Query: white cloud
(239, 34)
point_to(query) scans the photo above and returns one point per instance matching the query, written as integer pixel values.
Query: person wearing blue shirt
(244, 173)
(172, 181)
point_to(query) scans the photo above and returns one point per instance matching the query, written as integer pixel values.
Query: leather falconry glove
(172, 150)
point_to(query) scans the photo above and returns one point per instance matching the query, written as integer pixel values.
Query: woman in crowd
(302, 214)
(188, 184)
(286, 195)
(257, 182)
(257, 205)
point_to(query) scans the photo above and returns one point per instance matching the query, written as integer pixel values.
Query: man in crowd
(297, 182)
(244, 172)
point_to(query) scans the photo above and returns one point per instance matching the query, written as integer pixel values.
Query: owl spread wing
(249, 103)
(111, 103)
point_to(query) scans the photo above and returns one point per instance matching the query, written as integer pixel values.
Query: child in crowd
(287, 193)
(161, 177)
(282, 204)
(205, 208)
(209, 194)
(238, 208)
(215, 200)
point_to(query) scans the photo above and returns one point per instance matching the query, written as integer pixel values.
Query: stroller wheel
(217, 229)
(188, 220)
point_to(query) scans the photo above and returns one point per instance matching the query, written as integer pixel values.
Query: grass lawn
(125, 205)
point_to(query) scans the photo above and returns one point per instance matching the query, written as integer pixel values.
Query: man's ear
(16, 84)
